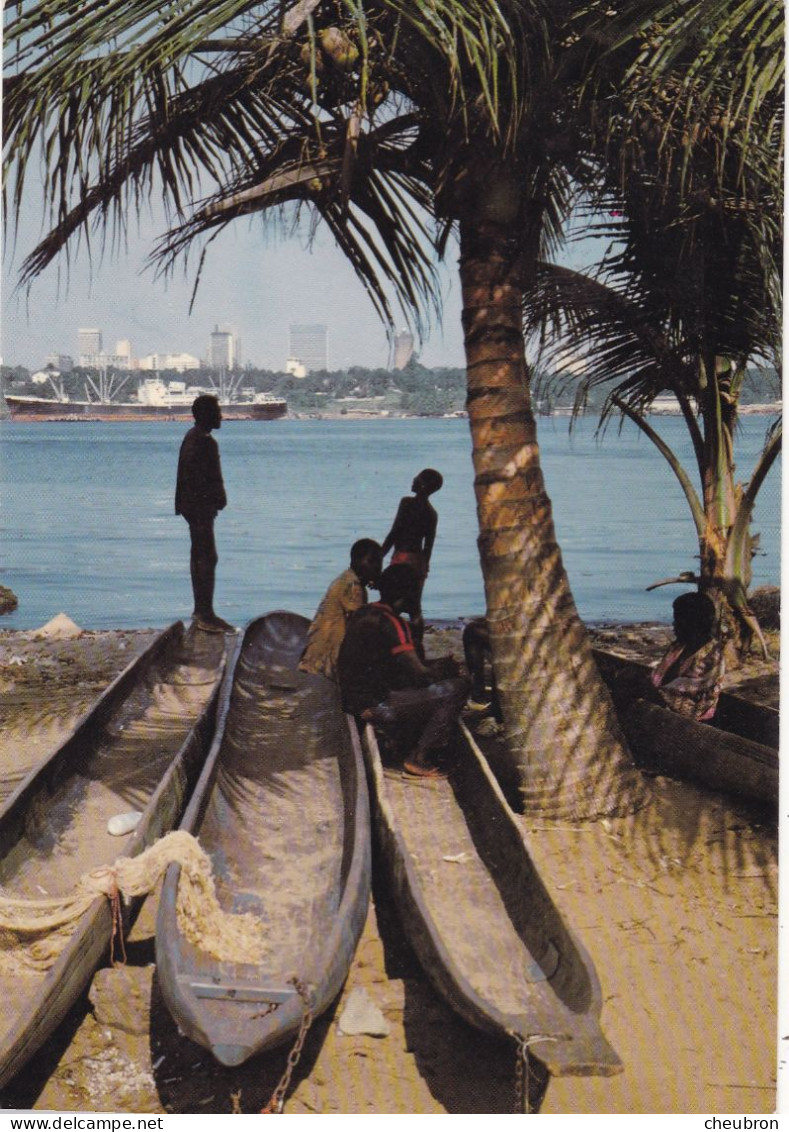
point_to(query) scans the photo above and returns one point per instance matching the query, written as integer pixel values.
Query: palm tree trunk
(567, 751)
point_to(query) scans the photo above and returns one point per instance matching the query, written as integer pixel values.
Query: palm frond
(594, 334)
(112, 103)
(382, 227)
(689, 91)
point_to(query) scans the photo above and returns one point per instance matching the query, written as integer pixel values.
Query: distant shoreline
(378, 415)
(766, 409)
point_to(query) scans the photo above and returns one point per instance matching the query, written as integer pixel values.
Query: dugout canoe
(737, 756)
(282, 810)
(479, 917)
(139, 748)
(666, 743)
(750, 709)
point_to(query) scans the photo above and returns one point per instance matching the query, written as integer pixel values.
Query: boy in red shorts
(412, 536)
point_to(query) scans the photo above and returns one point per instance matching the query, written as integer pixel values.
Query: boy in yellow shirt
(345, 595)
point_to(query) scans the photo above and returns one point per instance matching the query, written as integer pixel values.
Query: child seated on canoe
(345, 595)
(477, 653)
(384, 682)
(412, 536)
(688, 677)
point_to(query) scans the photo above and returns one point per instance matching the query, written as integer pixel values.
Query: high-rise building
(123, 352)
(309, 344)
(89, 345)
(223, 350)
(63, 363)
(403, 349)
(102, 359)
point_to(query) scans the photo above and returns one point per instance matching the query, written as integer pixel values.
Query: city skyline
(251, 279)
(308, 351)
(223, 352)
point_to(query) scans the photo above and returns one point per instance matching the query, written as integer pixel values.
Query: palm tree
(372, 116)
(605, 333)
(689, 291)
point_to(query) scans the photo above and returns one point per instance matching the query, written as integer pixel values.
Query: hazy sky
(254, 282)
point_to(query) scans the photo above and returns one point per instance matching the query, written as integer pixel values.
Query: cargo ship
(156, 401)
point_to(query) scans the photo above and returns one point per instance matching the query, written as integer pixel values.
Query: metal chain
(520, 1057)
(523, 1070)
(277, 1102)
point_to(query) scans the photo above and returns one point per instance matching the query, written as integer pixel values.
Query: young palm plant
(690, 290)
(681, 307)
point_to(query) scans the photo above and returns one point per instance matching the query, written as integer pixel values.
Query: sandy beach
(677, 906)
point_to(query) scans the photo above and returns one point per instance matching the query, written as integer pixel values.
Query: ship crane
(60, 393)
(107, 387)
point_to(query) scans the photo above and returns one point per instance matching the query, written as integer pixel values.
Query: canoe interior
(139, 748)
(282, 811)
(479, 916)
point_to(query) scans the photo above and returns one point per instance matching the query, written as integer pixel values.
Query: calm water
(88, 527)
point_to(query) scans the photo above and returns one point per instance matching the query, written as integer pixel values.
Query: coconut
(311, 58)
(339, 47)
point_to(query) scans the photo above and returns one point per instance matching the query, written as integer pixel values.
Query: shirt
(367, 667)
(694, 682)
(344, 596)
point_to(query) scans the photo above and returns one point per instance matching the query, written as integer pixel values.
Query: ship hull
(30, 409)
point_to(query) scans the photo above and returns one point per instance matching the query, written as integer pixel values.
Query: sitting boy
(688, 677)
(345, 595)
(384, 682)
(477, 652)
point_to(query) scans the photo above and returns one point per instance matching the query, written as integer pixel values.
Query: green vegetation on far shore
(414, 390)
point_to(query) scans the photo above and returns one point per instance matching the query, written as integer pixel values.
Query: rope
(34, 932)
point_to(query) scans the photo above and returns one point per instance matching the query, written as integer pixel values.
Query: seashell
(123, 823)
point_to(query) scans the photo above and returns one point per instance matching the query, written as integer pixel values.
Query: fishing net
(34, 932)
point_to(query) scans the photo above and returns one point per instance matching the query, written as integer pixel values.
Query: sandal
(414, 772)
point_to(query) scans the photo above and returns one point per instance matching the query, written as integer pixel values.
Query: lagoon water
(88, 527)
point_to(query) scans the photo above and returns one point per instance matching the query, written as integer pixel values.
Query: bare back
(414, 528)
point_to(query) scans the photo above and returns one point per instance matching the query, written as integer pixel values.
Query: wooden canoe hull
(282, 810)
(667, 743)
(541, 986)
(37, 1010)
(738, 756)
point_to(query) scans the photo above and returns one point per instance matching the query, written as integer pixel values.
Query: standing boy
(199, 497)
(345, 595)
(412, 536)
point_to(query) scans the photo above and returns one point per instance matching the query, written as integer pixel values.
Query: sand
(677, 906)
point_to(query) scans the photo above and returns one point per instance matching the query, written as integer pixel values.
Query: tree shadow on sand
(680, 821)
(683, 822)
